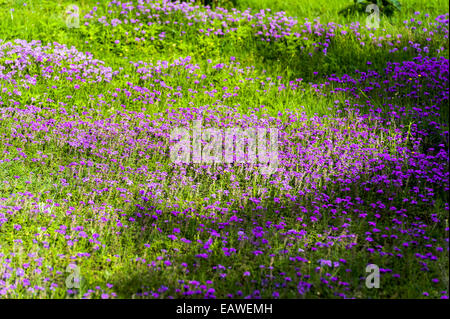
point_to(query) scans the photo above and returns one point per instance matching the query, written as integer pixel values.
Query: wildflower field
(93, 206)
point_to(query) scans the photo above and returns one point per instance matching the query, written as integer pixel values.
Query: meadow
(91, 205)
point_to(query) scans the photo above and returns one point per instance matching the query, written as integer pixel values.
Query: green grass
(114, 259)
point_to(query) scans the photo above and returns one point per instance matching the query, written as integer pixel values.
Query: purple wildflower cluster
(90, 174)
(148, 19)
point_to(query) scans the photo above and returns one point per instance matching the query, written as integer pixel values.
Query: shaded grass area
(133, 251)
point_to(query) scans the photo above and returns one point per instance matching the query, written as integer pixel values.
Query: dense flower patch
(87, 179)
(148, 18)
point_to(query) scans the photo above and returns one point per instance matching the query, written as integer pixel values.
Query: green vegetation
(86, 178)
